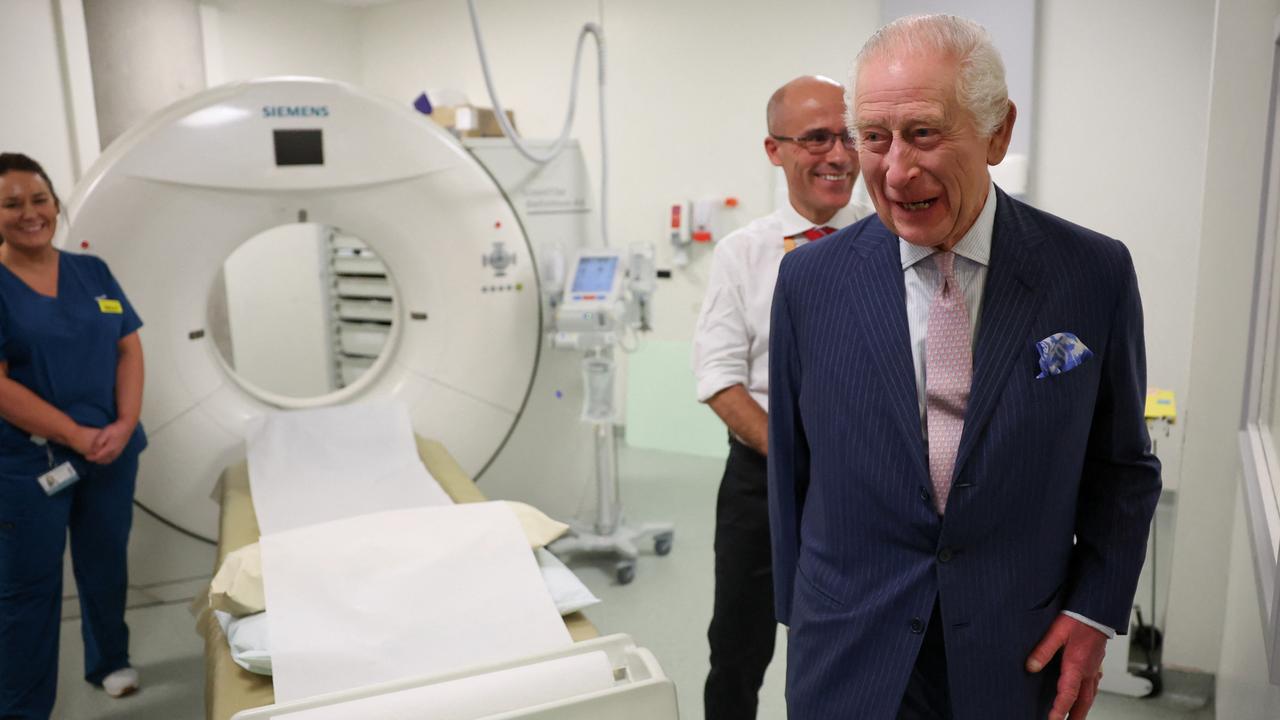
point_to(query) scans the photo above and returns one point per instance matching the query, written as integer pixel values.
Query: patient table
(230, 688)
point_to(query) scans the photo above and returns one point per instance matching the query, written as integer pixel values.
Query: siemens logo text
(274, 111)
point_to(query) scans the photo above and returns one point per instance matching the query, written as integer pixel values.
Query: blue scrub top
(64, 349)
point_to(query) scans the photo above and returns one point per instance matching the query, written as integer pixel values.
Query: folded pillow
(250, 640)
(568, 592)
(237, 587)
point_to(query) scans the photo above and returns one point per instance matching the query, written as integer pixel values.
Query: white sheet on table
(405, 593)
(479, 696)
(312, 466)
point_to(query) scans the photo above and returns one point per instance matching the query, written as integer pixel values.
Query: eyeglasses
(818, 141)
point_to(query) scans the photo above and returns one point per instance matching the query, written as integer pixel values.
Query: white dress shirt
(731, 341)
(922, 280)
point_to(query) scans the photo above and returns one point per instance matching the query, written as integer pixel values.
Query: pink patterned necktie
(948, 369)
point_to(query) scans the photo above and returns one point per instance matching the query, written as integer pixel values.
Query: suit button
(945, 555)
(917, 625)
(924, 494)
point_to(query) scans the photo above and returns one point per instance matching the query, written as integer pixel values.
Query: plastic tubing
(589, 29)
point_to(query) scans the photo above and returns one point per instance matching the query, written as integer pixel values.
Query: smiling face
(818, 185)
(28, 211)
(922, 157)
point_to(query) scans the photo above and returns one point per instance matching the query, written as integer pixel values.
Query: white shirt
(922, 280)
(731, 341)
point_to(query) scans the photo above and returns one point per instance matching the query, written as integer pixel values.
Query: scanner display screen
(299, 147)
(595, 274)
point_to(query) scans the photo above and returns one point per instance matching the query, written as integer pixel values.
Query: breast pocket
(97, 329)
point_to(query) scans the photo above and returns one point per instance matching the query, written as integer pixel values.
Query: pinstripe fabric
(858, 548)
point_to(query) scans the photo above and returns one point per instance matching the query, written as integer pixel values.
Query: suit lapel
(1009, 305)
(875, 283)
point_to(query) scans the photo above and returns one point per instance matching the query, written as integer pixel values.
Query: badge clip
(58, 479)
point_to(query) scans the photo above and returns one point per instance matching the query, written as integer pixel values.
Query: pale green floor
(666, 609)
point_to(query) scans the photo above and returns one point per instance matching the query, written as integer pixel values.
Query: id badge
(58, 479)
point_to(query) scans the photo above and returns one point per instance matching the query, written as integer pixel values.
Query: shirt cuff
(715, 382)
(1109, 632)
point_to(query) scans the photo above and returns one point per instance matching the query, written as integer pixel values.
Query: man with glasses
(808, 140)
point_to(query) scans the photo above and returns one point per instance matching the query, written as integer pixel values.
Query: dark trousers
(927, 696)
(98, 510)
(743, 625)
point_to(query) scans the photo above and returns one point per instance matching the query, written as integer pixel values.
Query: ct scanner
(169, 201)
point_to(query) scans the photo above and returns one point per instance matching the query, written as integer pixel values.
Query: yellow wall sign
(1161, 405)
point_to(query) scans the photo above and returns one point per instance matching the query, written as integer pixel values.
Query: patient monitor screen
(299, 147)
(595, 274)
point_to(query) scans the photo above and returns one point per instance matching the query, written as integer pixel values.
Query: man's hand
(743, 415)
(109, 443)
(1082, 650)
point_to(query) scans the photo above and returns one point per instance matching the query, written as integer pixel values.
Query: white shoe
(121, 682)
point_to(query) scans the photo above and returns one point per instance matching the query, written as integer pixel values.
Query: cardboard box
(470, 121)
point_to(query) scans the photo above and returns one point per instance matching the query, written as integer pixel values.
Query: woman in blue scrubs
(70, 395)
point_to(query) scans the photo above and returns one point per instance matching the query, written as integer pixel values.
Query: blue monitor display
(595, 274)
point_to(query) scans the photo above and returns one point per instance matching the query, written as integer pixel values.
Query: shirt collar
(793, 223)
(975, 245)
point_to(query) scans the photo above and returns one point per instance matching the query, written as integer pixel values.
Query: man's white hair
(980, 83)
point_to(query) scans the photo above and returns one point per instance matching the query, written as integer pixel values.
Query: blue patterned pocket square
(1061, 352)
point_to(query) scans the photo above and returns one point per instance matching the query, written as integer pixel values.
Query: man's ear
(998, 143)
(772, 148)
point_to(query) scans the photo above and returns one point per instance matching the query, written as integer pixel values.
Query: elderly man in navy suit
(960, 477)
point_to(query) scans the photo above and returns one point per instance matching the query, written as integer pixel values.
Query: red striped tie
(813, 233)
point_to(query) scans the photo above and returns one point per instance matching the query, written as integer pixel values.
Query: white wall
(1232, 179)
(1242, 687)
(278, 309)
(1120, 149)
(687, 84)
(36, 118)
(247, 39)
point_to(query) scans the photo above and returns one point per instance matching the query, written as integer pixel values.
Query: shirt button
(917, 625)
(945, 555)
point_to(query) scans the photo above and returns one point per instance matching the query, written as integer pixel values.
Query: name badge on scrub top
(112, 307)
(58, 478)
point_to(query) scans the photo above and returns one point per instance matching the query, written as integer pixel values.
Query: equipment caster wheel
(662, 543)
(1157, 681)
(625, 572)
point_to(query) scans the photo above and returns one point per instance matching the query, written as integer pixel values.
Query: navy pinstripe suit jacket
(1054, 486)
